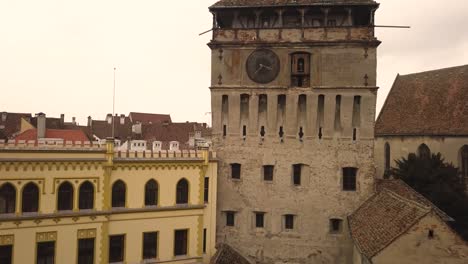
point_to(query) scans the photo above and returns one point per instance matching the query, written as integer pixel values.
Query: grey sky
(57, 56)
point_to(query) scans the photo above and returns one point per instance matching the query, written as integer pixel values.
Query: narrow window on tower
(297, 174)
(338, 114)
(301, 115)
(244, 113)
(320, 115)
(236, 171)
(356, 116)
(387, 160)
(262, 113)
(230, 218)
(349, 179)
(268, 172)
(259, 220)
(224, 113)
(300, 69)
(281, 113)
(289, 222)
(336, 226)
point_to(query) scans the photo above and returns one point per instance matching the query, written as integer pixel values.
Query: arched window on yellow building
(118, 194)
(151, 193)
(30, 198)
(182, 192)
(7, 199)
(65, 197)
(86, 199)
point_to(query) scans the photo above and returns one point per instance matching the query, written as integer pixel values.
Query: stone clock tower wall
(312, 126)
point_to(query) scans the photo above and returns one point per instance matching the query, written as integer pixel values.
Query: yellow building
(81, 203)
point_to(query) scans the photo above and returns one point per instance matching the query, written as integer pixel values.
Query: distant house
(425, 113)
(10, 124)
(398, 225)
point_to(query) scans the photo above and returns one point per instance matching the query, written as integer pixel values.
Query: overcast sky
(57, 56)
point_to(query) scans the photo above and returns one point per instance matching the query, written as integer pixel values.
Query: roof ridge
(435, 70)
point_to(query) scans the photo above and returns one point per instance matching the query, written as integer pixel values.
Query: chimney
(41, 125)
(90, 121)
(74, 120)
(122, 119)
(62, 120)
(109, 118)
(4, 116)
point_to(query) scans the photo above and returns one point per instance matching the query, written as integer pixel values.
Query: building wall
(401, 146)
(49, 167)
(337, 68)
(414, 246)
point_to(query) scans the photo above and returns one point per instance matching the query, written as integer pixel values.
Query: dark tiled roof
(388, 214)
(66, 135)
(102, 129)
(264, 3)
(12, 124)
(227, 255)
(146, 118)
(427, 103)
(51, 122)
(173, 132)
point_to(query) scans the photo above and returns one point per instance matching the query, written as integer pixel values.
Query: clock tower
(293, 94)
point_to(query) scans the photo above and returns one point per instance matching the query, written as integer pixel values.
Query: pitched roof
(427, 103)
(265, 3)
(225, 254)
(66, 135)
(12, 124)
(146, 118)
(387, 215)
(103, 129)
(173, 132)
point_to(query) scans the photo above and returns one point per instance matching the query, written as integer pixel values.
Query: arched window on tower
(182, 192)
(300, 65)
(300, 69)
(86, 196)
(65, 197)
(7, 199)
(464, 161)
(151, 193)
(387, 161)
(30, 198)
(118, 194)
(424, 152)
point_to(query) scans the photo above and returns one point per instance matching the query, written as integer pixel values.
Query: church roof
(269, 3)
(388, 214)
(427, 103)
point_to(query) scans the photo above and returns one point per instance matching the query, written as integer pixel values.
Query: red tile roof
(146, 118)
(387, 215)
(426, 104)
(66, 135)
(12, 124)
(264, 3)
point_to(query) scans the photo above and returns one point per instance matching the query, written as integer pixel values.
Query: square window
(180, 242)
(86, 251)
(268, 172)
(349, 179)
(150, 245)
(230, 218)
(289, 222)
(336, 225)
(116, 248)
(259, 220)
(297, 173)
(235, 171)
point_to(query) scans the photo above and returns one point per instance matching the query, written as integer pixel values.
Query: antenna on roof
(113, 107)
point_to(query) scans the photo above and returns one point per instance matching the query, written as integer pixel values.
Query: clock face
(263, 66)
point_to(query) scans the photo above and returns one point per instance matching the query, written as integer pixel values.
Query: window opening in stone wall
(224, 130)
(244, 107)
(291, 18)
(301, 133)
(262, 131)
(259, 220)
(204, 240)
(430, 234)
(86, 251)
(338, 113)
(320, 114)
(7, 199)
(150, 245)
(65, 197)
(151, 193)
(387, 159)
(244, 132)
(116, 248)
(281, 110)
(206, 190)
(118, 194)
(301, 114)
(6, 254)
(45, 252)
(289, 221)
(336, 225)
(354, 134)
(464, 161)
(236, 171)
(357, 111)
(180, 242)
(300, 69)
(86, 196)
(224, 113)
(30, 198)
(349, 179)
(268, 172)
(230, 218)
(424, 152)
(182, 189)
(281, 132)
(297, 173)
(262, 112)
